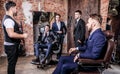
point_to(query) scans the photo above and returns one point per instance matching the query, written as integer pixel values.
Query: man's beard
(89, 30)
(15, 14)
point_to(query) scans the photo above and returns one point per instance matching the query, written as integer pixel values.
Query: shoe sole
(35, 63)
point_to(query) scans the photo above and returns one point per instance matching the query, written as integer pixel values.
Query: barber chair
(99, 64)
(55, 50)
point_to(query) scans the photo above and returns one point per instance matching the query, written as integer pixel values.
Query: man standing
(93, 49)
(79, 30)
(12, 36)
(60, 29)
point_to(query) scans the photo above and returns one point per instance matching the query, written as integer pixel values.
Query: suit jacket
(62, 27)
(94, 47)
(50, 38)
(79, 32)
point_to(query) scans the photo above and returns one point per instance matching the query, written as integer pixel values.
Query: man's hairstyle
(48, 26)
(9, 4)
(96, 17)
(57, 15)
(79, 11)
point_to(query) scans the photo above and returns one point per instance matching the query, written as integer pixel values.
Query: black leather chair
(54, 50)
(99, 64)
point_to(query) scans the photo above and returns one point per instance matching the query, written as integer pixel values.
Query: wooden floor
(25, 67)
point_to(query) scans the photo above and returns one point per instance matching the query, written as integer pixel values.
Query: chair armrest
(90, 61)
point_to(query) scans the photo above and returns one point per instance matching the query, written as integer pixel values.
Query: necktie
(44, 36)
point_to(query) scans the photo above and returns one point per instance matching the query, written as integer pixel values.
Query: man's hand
(71, 50)
(25, 35)
(76, 57)
(54, 42)
(79, 41)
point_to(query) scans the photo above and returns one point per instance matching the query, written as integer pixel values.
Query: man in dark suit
(48, 38)
(60, 29)
(92, 49)
(79, 29)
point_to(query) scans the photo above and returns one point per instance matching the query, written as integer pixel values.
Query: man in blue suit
(60, 29)
(92, 49)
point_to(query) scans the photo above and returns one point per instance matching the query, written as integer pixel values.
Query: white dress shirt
(58, 24)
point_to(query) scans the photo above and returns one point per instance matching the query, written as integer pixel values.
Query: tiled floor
(25, 67)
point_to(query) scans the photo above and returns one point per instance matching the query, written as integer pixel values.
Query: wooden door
(87, 7)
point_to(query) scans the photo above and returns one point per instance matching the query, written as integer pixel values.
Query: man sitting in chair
(48, 38)
(92, 49)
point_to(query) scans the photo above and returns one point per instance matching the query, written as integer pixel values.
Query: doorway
(87, 7)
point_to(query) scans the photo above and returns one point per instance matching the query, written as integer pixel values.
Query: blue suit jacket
(62, 27)
(94, 47)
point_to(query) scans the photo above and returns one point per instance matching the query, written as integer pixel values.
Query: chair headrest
(109, 34)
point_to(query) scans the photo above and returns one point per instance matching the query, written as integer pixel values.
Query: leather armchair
(100, 64)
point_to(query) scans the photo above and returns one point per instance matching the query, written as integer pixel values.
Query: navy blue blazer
(62, 28)
(94, 46)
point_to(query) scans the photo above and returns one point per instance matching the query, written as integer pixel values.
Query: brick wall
(104, 11)
(25, 8)
(1, 32)
(59, 6)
